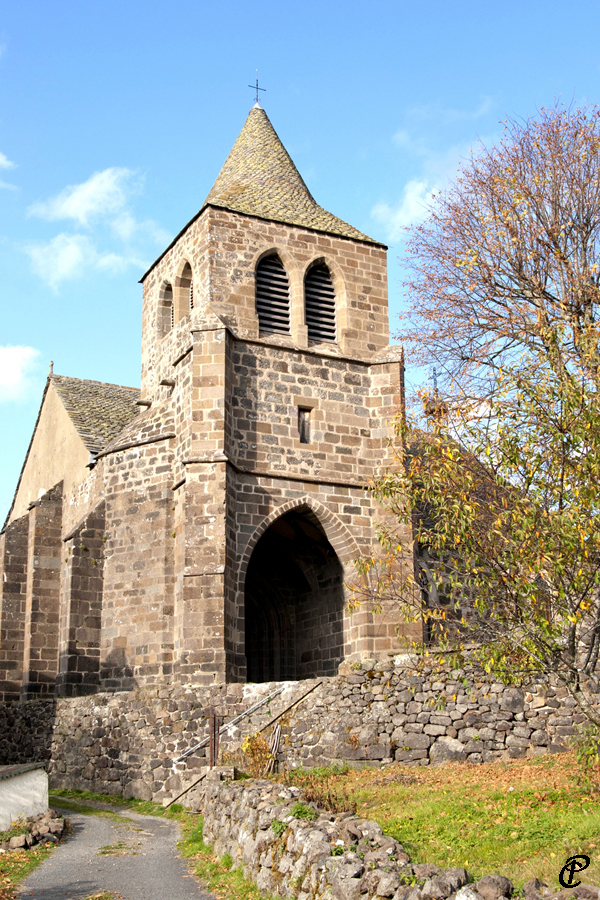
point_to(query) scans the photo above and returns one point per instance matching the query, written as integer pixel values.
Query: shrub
(278, 827)
(302, 811)
(257, 753)
(320, 786)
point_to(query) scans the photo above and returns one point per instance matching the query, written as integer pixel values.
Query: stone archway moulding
(336, 532)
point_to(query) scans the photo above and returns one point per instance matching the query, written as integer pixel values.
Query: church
(203, 529)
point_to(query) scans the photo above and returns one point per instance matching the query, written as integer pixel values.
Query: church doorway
(294, 602)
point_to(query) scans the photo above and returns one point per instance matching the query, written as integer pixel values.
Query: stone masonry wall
(26, 731)
(254, 822)
(42, 599)
(13, 599)
(126, 742)
(81, 607)
(382, 711)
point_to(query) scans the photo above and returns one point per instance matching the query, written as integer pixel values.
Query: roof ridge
(98, 410)
(124, 387)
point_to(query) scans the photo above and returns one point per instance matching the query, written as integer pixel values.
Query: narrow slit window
(319, 304)
(191, 294)
(272, 296)
(304, 425)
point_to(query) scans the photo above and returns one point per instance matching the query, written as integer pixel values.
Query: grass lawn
(521, 818)
(15, 866)
(516, 818)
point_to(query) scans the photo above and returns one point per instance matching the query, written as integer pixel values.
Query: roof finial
(256, 88)
(51, 372)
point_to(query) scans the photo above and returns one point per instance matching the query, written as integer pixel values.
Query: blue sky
(115, 118)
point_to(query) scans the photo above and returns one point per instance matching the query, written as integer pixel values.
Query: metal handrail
(237, 719)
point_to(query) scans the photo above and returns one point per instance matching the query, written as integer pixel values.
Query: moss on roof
(98, 411)
(260, 179)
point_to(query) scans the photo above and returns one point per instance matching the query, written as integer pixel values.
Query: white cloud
(100, 206)
(127, 228)
(412, 207)
(16, 365)
(445, 115)
(70, 256)
(436, 169)
(64, 257)
(5, 163)
(103, 195)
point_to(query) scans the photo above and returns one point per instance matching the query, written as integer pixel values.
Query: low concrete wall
(23, 793)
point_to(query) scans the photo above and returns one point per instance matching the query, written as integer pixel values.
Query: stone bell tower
(205, 529)
(265, 343)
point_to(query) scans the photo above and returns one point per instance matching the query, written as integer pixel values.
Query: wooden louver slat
(272, 296)
(319, 300)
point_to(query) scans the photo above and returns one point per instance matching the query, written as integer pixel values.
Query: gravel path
(139, 862)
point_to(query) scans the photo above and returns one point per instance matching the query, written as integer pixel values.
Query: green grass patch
(75, 801)
(16, 865)
(17, 828)
(317, 772)
(218, 876)
(521, 818)
(278, 827)
(87, 810)
(302, 811)
(120, 848)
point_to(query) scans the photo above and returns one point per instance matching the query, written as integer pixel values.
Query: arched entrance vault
(294, 606)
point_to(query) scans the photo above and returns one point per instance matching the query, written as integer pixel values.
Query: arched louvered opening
(187, 284)
(319, 304)
(166, 309)
(272, 296)
(184, 292)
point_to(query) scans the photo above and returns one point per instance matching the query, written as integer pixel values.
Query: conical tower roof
(259, 178)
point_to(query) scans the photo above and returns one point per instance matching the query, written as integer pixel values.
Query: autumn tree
(503, 490)
(508, 259)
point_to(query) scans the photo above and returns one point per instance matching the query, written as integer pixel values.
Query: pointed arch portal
(294, 602)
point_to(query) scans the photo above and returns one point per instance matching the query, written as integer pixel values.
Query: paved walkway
(139, 861)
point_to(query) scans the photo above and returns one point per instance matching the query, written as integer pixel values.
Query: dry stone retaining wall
(381, 711)
(26, 731)
(297, 850)
(255, 823)
(126, 742)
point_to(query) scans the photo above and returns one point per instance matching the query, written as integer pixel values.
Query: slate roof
(98, 411)
(259, 178)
